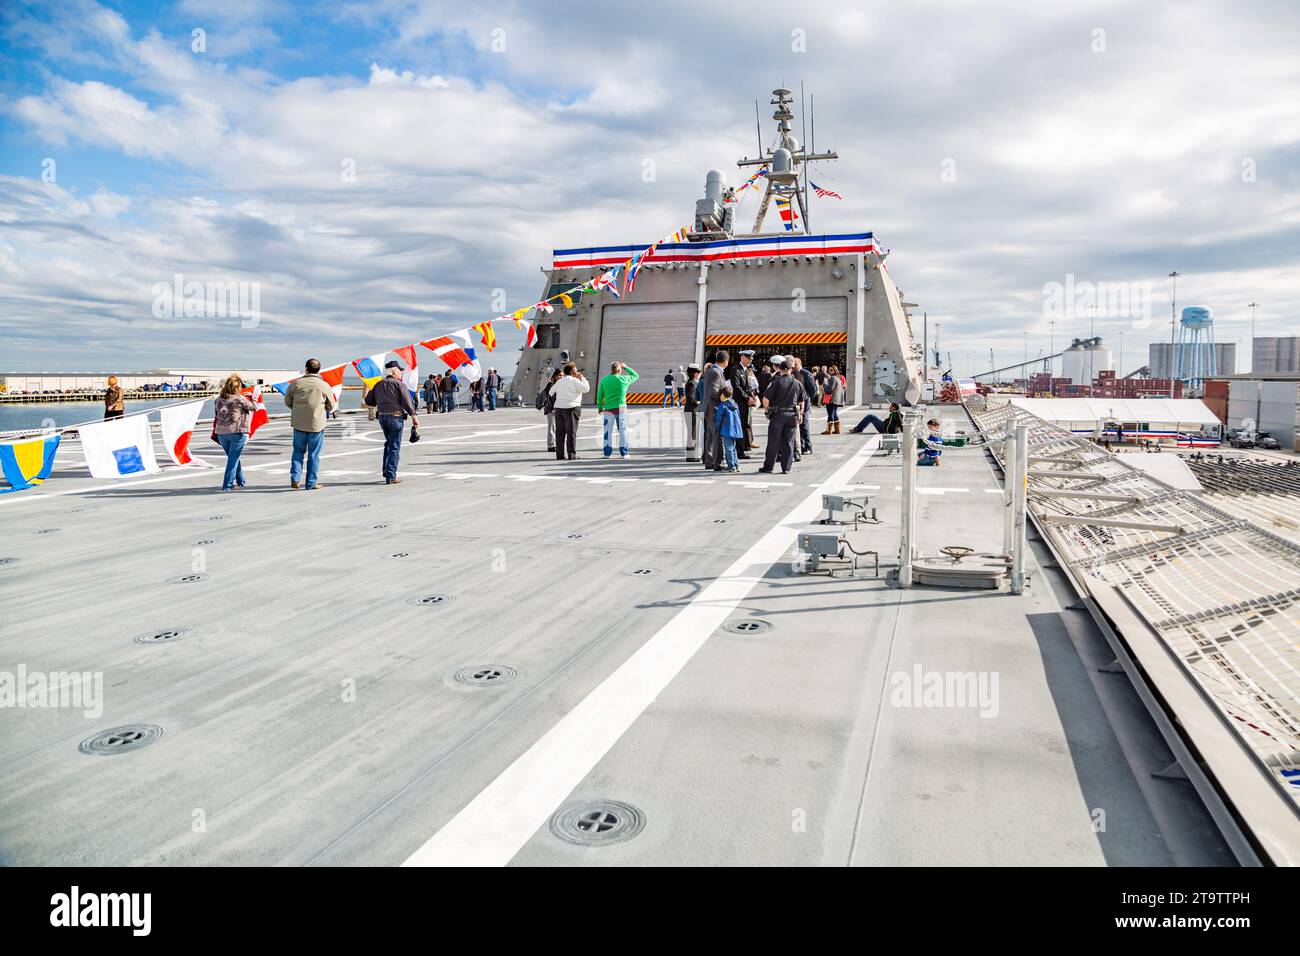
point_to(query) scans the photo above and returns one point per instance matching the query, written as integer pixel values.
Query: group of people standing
(782, 387)
(560, 400)
(723, 394)
(310, 401)
(439, 391)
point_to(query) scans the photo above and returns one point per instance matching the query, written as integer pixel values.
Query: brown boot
(829, 426)
(837, 428)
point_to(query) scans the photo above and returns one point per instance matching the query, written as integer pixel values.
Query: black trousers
(747, 423)
(805, 436)
(782, 432)
(566, 433)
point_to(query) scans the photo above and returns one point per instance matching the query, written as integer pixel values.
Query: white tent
(1156, 414)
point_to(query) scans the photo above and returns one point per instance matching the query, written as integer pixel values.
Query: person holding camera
(568, 392)
(392, 400)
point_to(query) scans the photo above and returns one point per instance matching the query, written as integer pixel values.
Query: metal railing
(1221, 593)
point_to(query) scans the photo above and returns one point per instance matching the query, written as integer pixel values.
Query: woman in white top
(567, 393)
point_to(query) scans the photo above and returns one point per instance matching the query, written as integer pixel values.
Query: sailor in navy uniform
(743, 392)
(784, 401)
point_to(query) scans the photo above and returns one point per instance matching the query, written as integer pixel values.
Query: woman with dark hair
(891, 424)
(547, 408)
(232, 414)
(567, 394)
(833, 398)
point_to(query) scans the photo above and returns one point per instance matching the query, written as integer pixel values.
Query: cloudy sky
(995, 148)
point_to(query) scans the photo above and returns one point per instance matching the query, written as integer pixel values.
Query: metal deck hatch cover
(598, 823)
(431, 600)
(641, 572)
(121, 739)
(188, 579)
(751, 625)
(482, 675)
(163, 635)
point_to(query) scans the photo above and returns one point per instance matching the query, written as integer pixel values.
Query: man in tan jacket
(309, 398)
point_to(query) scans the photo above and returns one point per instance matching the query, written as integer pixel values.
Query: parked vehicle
(1265, 440)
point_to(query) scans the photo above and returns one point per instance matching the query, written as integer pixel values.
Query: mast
(786, 163)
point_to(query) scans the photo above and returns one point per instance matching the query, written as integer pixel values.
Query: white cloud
(471, 164)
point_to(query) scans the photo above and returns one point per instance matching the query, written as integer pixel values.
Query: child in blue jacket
(931, 446)
(729, 427)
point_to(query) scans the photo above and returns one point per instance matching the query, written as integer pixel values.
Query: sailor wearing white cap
(744, 391)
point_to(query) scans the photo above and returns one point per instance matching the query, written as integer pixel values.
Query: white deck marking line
(763, 484)
(536, 477)
(496, 824)
(677, 482)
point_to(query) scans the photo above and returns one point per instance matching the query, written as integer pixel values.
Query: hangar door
(823, 321)
(652, 338)
(818, 335)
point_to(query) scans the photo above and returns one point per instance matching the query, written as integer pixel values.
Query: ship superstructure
(825, 297)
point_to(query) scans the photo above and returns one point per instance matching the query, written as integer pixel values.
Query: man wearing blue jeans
(449, 385)
(611, 402)
(308, 445)
(392, 400)
(668, 389)
(309, 398)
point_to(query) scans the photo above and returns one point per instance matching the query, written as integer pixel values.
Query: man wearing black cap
(392, 400)
(784, 401)
(743, 388)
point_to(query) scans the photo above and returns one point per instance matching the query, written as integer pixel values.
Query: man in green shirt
(611, 402)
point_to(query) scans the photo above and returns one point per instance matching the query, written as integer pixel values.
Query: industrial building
(1106, 385)
(1275, 353)
(1270, 400)
(1162, 358)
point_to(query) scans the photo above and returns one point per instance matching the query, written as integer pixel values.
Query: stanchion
(906, 539)
(1019, 504)
(692, 436)
(1008, 490)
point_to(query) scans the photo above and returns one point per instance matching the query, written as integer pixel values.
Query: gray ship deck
(780, 747)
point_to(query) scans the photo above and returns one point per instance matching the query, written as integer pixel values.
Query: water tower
(1194, 360)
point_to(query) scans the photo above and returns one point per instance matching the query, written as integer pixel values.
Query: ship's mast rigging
(785, 163)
